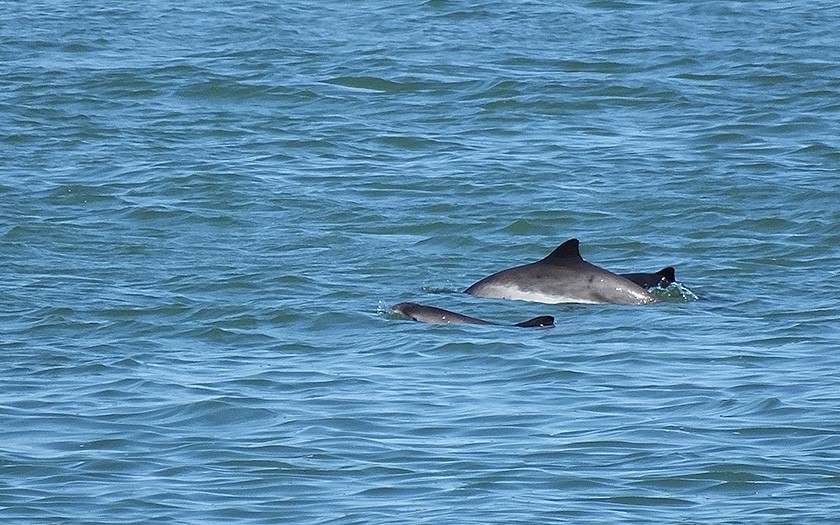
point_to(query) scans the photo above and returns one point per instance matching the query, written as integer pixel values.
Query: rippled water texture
(209, 209)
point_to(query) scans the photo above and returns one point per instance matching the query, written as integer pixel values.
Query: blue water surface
(209, 209)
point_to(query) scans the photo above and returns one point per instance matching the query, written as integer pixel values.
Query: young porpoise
(430, 314)
(562, 277)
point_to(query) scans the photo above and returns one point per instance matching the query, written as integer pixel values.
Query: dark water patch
(646, 501)
(373, 84)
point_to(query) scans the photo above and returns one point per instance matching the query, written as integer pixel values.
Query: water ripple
(208, 212)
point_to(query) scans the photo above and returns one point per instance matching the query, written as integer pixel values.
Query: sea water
(209, 208)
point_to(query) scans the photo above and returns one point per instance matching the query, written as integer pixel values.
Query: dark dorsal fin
(569, 250)
(669, 274)
(536, 322)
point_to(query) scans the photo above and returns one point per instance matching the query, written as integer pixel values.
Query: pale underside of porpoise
(561, 277)
(433, 315)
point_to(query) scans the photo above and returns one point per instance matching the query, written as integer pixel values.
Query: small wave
(675, 291)
(367, 83)
(441, 289)
(382, 308)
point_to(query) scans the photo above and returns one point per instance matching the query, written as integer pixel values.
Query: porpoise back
(431, 314)
(662, 278)
(561, 277)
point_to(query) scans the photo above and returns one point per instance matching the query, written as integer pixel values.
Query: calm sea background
(208, 209)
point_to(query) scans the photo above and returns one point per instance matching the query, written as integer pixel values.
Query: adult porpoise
(562, 277)
(431, 314)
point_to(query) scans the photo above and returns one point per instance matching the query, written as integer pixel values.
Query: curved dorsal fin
(537, 322)
(669, 274)
(566, 251)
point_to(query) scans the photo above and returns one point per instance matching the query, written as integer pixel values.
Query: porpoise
(662, 278)
(561, 277)
(431, 314)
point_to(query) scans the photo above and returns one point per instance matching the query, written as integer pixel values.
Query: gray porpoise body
(662, 278)
(561, 277)
(433, 315)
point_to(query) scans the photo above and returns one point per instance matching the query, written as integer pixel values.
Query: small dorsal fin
(566, 251)
(669, 274)
(537, 322)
